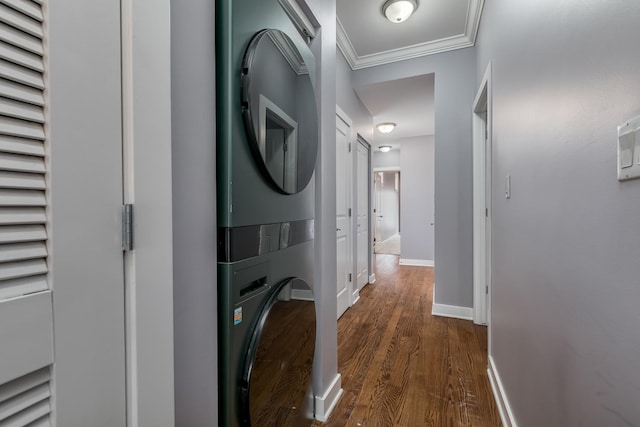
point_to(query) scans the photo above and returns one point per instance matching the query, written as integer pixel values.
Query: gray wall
(454, 93)
(194, 213)
(564, 327)
(390, 159)
(349, 102)
(417, 198)
(324, 49)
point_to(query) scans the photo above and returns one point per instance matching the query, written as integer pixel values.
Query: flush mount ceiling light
(398, 11)
(386, 127)
(385, 148)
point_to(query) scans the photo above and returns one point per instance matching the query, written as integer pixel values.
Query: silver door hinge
(486, 289)
(127, 227)
(349, 277)
(486, 212)
(349, 212)
(349, 147)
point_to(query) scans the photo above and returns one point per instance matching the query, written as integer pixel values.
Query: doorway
(482, 117)
(387, 226)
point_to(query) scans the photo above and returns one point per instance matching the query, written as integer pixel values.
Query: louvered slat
(18, 74)
(13, 127)
(22, 180)
(20, 110)
(17, 270)
(11, 144)
(22, 251)
(23, 286)
(22, 198)
(20, 92)
(22, 215)
(27, 7)
(20, 21)
(18, 163)
(20, 39)
(26, 400)
(21, 57)
(22, 233)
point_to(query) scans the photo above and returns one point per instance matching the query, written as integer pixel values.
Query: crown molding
(460, 41)
(289, 51)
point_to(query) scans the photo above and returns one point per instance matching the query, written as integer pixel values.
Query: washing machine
(267, 143)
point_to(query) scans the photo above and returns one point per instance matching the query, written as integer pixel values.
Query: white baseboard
(454, 311)
(355, 297)
(327, 402)
(372, 279)
(506, 415)
(302, 294)
(417, 262)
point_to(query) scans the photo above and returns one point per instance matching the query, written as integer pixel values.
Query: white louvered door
(60, 198)
(26, 336)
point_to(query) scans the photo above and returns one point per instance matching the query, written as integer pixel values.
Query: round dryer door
(279, 109)
(276, 382)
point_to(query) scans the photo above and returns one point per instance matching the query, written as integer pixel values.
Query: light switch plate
(629, 150)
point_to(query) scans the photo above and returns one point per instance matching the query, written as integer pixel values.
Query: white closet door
(362, 215)
(26, 339)
(343, 215)
(87, 273)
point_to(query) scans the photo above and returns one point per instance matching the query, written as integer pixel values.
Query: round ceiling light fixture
(398, 11)
(386, 127)
(385, 148)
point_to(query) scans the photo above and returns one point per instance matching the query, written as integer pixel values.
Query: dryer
(267, 142)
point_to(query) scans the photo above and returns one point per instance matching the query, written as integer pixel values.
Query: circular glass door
(276, 382)
(279, 109)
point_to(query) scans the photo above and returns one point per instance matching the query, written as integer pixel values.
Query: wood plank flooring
(403, 367)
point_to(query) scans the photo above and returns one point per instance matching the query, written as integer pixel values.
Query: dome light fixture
(398, 11)
(385, 148)
(386, 127)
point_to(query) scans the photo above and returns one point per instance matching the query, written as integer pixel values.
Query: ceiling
(366, 38)
(406, 102)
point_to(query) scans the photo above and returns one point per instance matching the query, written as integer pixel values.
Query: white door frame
(482, 119)
(350, 223)
(146, 112)
(360, 141)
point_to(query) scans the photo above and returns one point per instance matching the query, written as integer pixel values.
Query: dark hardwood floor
(401, 366)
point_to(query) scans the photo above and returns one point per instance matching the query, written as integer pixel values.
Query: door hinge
(486, 289)
(127, 227)
(349, 277)
(349, 212)
(349, 147)
(486, 212)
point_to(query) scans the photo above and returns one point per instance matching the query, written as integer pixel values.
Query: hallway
(401, 366)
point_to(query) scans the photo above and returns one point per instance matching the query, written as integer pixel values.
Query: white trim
(355, 297)
(453, 311)
(387, 169)
(506, 414)
(328, 401)
(417, 262)
(302, 294)
(300, 18)
(146, 104)
(482, 201)
(467, 39)
(372, 279)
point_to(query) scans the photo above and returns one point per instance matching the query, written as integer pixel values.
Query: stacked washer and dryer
(267, 143)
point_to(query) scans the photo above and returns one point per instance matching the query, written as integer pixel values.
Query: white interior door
(378, 207)
(362, 215)
(26, 306)
(343, 214)
(85, 142)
